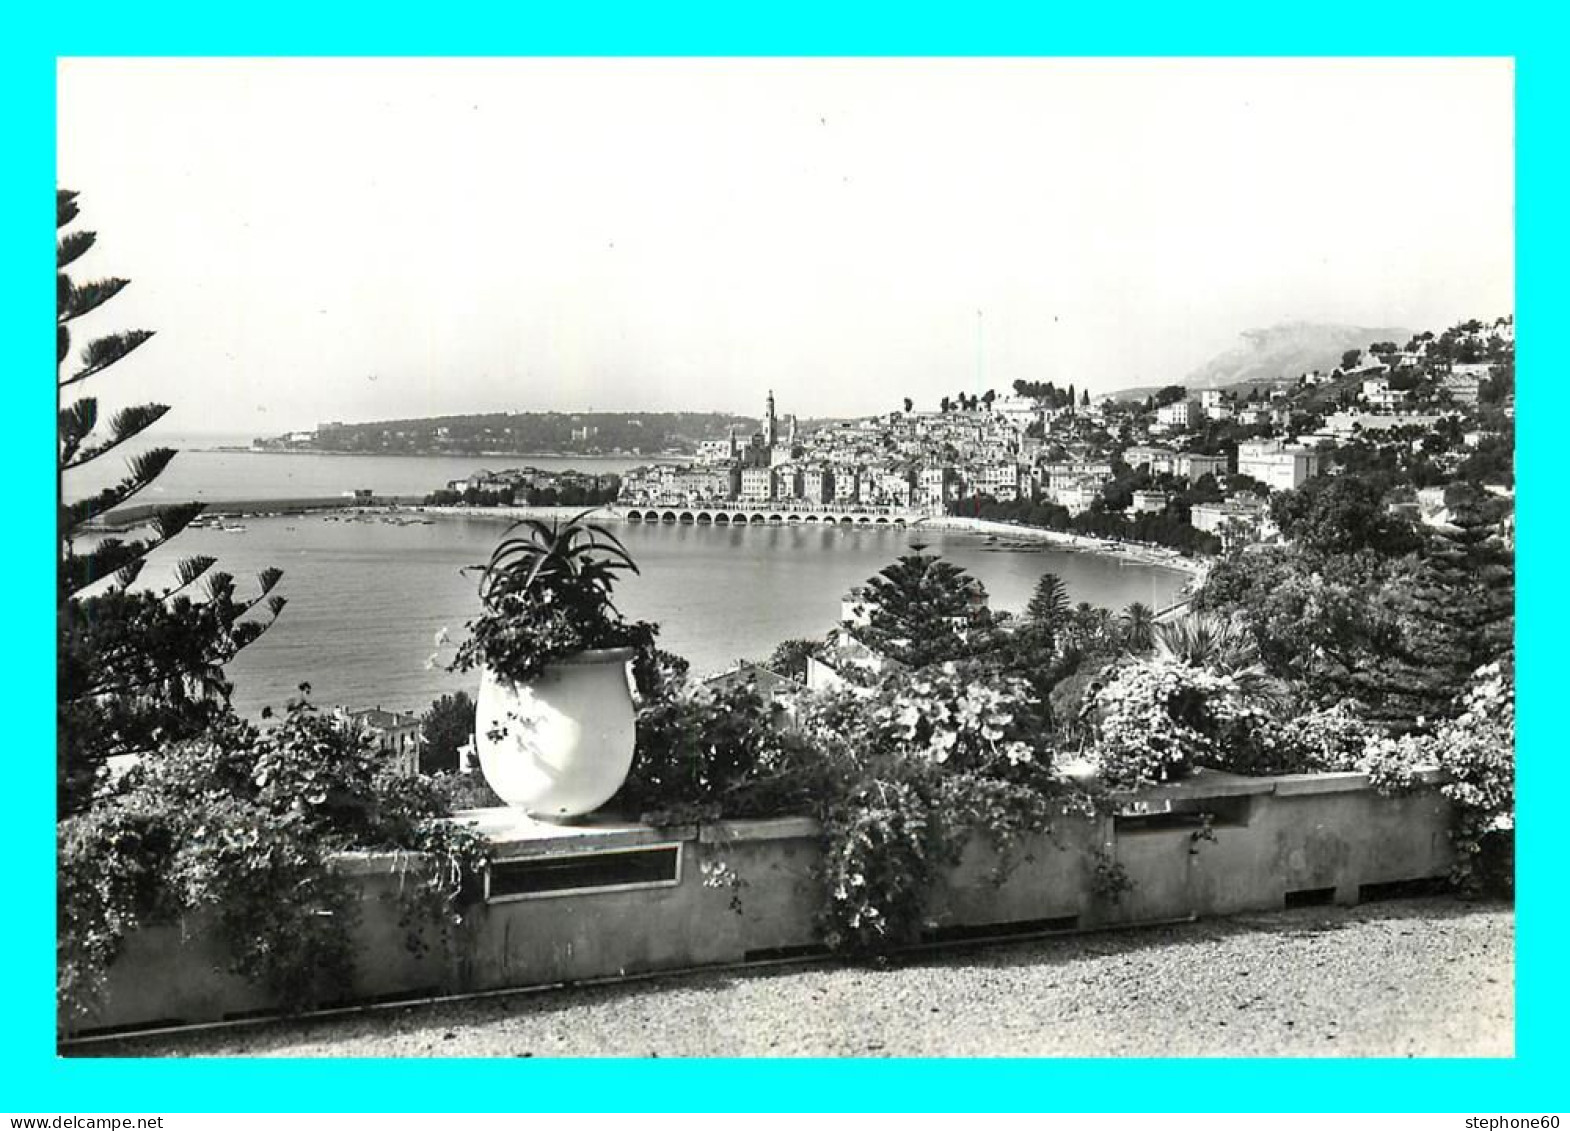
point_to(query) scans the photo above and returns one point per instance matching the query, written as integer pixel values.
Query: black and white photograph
(785, 557)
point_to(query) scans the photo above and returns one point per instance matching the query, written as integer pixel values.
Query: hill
(1279, 353)
(528, 433)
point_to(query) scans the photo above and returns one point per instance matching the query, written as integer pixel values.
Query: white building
(1216, 404)
(1077, 498)
(1003, 481)
(1378, 394)
(1281, 467)
(1178, 416)
(1149, 502)
(757, 484)
(1231, 519)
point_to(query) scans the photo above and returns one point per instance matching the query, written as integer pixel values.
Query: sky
(359, 239)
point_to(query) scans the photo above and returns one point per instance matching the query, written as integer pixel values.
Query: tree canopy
(923, 609)
(135, 668)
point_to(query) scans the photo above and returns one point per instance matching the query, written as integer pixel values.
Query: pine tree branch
(188, 571)
(127, 575)
(65, 206)
(113, 555)
(170, 520)
(72, 247)
(77, 572)
(79, 300)
(101, 353)
(144, 469)
(126, 424)
(268, 580)
(76, 423)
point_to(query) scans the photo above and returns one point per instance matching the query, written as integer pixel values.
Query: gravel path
(1424, 977)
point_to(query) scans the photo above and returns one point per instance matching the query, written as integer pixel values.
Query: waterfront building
(1242, 517)
(757, 484)
(1006, 482)
(1149, 502)
(849, 482)
(817, 484)
(705, 484)
(1280, 466)
(397, 734)
(788, 481)
(1067, 473)
(894, 488)
(1078, 497)
(939, 485)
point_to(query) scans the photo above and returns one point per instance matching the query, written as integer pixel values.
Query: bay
(216, 469)
(368, 595)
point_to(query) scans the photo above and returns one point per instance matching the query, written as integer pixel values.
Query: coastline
(1124, 551)
(1022, 536)
(240, 449)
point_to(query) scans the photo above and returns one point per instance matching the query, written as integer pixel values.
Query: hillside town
(1118, 660)
(1192, 470)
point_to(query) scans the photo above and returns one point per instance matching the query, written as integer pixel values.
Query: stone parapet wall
(631, 899)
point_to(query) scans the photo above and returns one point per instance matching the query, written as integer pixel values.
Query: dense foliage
(136, 669)
(523, 494)
(922, 609)
(237, 825)
(530, 433)
(446, 728)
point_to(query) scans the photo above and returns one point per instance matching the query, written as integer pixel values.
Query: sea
(376, 603)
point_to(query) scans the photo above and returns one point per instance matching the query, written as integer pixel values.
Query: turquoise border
(37, 1081)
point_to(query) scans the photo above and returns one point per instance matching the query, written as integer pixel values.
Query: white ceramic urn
(560, 745)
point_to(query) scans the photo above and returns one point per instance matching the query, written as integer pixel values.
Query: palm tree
(1202, 640)
(1139, 623)
(1092, 625)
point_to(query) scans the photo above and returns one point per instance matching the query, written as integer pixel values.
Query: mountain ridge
(1282, 352)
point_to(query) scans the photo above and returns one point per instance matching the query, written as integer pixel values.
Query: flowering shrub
(704, 752)
(239, 824)
(1477, 749)
(1155, 721)
(1324, 738)
(946, 714)
(912, 768)
(885, 841)
(1391, 761)
(1477, 752)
